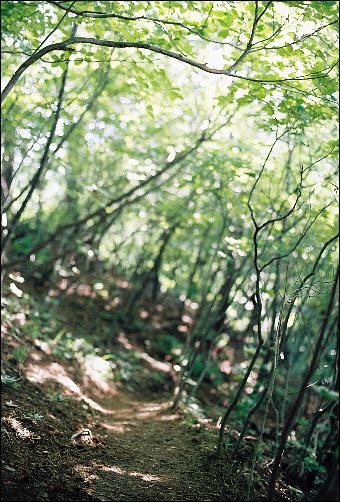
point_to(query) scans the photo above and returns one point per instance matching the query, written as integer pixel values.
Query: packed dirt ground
(69, 433)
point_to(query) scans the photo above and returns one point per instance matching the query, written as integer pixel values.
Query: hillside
(77, 426)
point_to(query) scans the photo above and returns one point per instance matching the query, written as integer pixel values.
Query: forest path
(71, 434)
(70, 437)
(149, 453)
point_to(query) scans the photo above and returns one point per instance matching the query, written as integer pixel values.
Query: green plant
(34, 416)
(123, 365)
(9, 380)
(58, 337)
(69, 348)
(259, 452)
(311, 464)
(19, 353)
(193, 413)
(166, 344)
(190, 420)
(58, 397)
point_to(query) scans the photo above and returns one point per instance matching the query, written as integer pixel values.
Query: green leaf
(61, 64)
(323, 391)
(174, 95)
(223, 33)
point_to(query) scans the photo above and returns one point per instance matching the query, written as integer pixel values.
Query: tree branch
(297, 404)
(56, 27)
(62, 46)
(304, 37)
(102, 211)
(303, 234)
(104, 15)
(36, 178)
(250, 42)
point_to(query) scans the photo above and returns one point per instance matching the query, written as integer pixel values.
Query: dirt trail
(149, 454)
(73, 431)
(68, 437)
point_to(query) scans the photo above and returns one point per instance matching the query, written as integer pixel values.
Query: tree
(190, 146)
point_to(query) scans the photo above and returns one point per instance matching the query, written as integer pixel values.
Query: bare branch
(297, 404)
(291, 209)
(304, 37)
(303, 234)
(277, 138)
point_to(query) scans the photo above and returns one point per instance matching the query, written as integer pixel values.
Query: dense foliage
(191, 148)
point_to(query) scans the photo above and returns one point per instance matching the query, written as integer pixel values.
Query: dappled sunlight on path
(148, 452)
